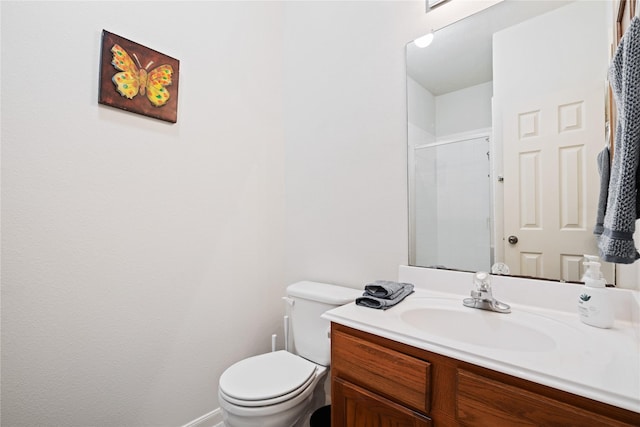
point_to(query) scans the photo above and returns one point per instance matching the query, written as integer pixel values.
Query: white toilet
(281, 389)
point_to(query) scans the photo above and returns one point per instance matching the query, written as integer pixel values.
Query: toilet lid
(266, 376)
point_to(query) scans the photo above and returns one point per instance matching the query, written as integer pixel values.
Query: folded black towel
(384, 294)
(385, 289)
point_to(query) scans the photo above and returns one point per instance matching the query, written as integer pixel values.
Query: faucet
(481, 296)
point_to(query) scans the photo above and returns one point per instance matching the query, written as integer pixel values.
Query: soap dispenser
(594, 303)
(589, 258)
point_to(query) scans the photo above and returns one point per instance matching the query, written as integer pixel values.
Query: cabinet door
(353, 406)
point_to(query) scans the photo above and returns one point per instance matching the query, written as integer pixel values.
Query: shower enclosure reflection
(458, 229)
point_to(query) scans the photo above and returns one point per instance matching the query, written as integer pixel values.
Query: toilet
(282, 388)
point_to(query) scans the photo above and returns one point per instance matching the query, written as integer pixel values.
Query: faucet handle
(482, 281)
(500, 268)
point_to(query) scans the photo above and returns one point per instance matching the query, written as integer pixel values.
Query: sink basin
(449, 320)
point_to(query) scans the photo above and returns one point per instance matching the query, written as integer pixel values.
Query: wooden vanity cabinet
(377, 382)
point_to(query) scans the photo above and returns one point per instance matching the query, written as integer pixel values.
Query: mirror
(507, 112)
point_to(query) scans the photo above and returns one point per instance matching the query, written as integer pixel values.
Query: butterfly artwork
(134, 79)
(151, 90)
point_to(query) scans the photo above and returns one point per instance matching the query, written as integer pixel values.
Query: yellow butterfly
(133, 79)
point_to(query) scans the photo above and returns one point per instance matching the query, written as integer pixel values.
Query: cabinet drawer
(391, 374)
(482, 401)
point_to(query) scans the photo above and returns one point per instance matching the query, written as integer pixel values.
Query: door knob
(512, 239)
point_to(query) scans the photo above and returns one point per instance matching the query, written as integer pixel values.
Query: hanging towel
(395, 295)
(604, 168)
(623, 204)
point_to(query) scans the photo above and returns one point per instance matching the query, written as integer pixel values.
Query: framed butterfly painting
(138, 79)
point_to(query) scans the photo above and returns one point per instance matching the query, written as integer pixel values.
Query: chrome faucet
(481, 296)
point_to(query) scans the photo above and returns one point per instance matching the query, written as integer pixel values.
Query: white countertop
(600, 364)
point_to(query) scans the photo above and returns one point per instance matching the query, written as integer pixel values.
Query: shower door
(453, 204)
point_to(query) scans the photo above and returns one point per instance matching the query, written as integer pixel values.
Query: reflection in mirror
(506, 116)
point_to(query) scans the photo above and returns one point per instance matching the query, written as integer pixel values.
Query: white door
(551, 182)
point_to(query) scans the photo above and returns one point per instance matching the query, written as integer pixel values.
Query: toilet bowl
(270, 390)
(282, 389)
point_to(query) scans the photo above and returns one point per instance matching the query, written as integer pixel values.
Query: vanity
(430, 361)
(514, 183)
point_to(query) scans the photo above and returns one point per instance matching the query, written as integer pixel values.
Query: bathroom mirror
(507, 112)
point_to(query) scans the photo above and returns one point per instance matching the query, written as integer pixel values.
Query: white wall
(464, 110)
(421, 114)
(346, 133)
(590, 64)
(139, 258)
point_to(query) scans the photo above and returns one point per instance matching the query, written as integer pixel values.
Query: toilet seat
(266, 379)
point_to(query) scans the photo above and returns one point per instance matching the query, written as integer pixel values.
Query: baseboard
(212, 419)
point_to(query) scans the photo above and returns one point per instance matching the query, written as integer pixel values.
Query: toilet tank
(311, 332)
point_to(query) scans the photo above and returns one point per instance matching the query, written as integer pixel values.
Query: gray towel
(616, 242)
(385, 289)
(400, 293)
(604, 168)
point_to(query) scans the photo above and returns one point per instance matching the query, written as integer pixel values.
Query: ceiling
(461, 53)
